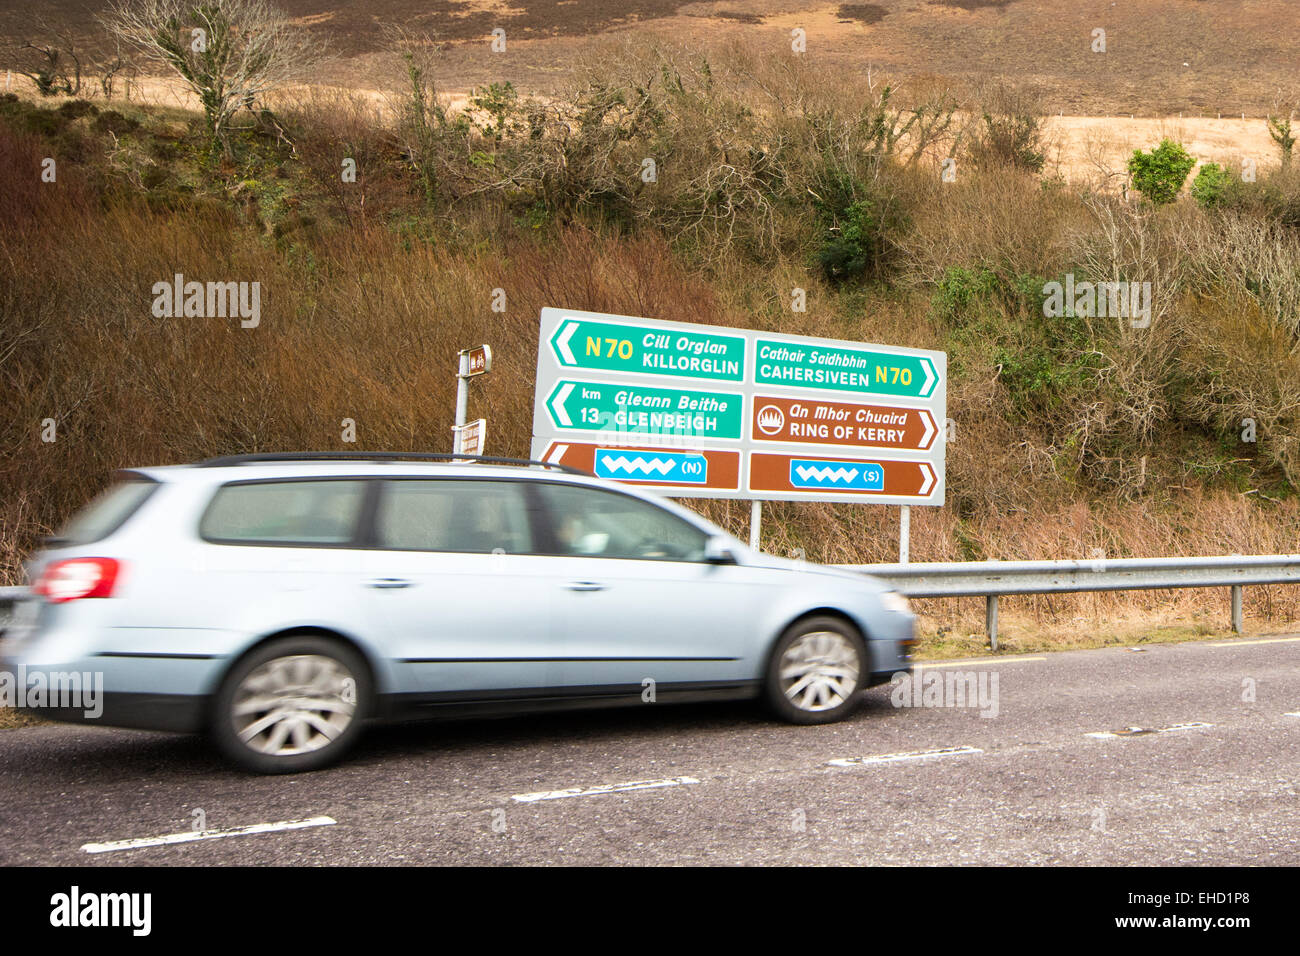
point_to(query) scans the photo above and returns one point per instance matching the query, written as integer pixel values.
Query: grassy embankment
(1074, 437)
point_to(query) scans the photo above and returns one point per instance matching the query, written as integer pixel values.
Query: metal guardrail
(990, 579)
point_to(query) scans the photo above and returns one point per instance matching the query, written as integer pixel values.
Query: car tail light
(78, 578)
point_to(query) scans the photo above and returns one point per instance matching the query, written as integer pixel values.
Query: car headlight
(893, 601)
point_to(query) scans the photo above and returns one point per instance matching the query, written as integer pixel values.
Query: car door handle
(390, 583)
(586, 586)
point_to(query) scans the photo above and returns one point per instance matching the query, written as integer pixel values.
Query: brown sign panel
(818, 421)
(477, 360)
(679, 469)
(470, 437)
(816, 476)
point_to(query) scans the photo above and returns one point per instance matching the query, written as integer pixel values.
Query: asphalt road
(736, 788)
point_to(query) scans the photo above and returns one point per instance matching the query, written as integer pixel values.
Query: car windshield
(106, 513)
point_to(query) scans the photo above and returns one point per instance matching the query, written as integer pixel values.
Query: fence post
(991, 620)
(1236, 608)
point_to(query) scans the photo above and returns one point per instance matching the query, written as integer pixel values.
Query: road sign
(817, 421)
(735, 413)
(470, 437)
(585, 341)
(640, 409)
(696, 469)
(844, 368)
(804, 476)
(476, 361)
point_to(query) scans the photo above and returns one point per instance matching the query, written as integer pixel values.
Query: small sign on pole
(471, 363)
(476, 361)
(471, 437)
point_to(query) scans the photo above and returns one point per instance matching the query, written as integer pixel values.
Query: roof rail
(345, 456)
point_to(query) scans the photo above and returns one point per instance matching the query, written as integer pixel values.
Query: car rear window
(307, 512)
(106, 513)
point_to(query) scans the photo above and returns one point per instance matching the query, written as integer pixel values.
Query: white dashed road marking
(913, 755)
(1143, 731)
(603, 788)
(142, 842)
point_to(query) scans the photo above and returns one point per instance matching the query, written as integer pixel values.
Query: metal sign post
(471, 363)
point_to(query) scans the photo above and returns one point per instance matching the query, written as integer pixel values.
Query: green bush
(1160, 174)
(858, 220)
(1211, 185)
(959, 288)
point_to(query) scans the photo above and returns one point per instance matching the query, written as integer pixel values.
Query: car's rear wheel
(816, 671)
(293, 704)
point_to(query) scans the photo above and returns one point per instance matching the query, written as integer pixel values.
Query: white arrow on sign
(931, 376)
(930, 429)
(557, 405)
(562, 343)
(557, 455)
(929, 478)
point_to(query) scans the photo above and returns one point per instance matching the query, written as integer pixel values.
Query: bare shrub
(1251, 255)
(1010, 133)
(231, 53)
(1244, 364)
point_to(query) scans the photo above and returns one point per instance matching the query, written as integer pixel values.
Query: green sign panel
(843, 369)
(641, 350)
(641, 410)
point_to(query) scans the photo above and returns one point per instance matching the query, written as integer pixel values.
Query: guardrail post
(904, 534)
(1236, 609)
(991, 620)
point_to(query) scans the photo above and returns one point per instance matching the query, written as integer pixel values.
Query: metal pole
(904, 533)
(755, 521)
(991, 620)
(1236, 608)
(462, 400)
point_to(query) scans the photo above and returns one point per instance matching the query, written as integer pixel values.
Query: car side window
(318, 512)
(591, 522)
(447, 514)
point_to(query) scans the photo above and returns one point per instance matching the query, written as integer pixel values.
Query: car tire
(817, 671)
(291, 705)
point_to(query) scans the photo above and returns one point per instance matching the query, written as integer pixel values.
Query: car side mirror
(717, 550)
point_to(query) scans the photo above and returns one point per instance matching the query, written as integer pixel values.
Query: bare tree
(110, 65)
(231, 53)
(1279, 128)
(52, 64)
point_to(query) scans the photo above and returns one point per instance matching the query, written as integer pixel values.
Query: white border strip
(973, 662)
(142, 842)
(1264, 640)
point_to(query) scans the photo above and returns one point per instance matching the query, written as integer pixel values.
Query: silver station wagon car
(277, 602)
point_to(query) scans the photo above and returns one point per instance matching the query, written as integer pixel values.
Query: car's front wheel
(816, 671)
(293, 704)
